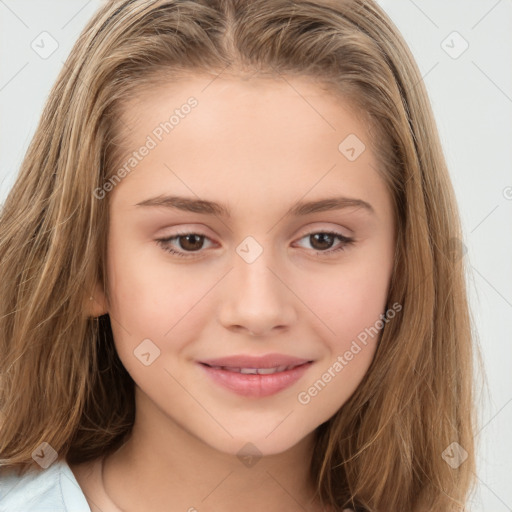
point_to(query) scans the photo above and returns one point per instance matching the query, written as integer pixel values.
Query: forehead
(297, 108)
(275, 137)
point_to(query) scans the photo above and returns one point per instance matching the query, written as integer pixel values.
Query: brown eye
(322, 241)
(187, 245)
(193, 242)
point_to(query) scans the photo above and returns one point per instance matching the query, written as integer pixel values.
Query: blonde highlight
(383, 449)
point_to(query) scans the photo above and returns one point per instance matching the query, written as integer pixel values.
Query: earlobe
(96, 303)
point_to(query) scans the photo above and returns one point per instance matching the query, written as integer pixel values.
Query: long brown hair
(61, 380)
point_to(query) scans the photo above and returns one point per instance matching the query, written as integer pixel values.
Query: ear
(96, 302)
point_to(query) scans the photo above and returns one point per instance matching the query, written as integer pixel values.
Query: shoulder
(54, 489)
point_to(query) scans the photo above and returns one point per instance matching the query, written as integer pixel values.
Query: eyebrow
(300, 208)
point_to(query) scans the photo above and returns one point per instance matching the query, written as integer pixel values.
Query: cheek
(347, 299)
(350, 301)
(152, 299)
(352, 309)
(149, 292)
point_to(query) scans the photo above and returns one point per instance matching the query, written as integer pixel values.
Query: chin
(258, 442)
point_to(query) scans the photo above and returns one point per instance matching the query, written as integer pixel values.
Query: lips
(255, 371)
(256, 377)
(281, 362)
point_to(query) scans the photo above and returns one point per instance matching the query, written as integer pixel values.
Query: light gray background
(472, 100)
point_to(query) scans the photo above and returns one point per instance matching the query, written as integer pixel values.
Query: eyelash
(346, 241)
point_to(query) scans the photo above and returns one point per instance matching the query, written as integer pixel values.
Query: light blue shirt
(54, 489)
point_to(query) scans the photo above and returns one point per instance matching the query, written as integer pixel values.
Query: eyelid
(183, 233)
(188, 229)
(343, 239)
(165, 242)
(321, 228)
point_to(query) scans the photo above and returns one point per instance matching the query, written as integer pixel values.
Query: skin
(297, 301)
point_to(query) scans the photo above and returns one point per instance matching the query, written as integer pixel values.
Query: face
(271, 269)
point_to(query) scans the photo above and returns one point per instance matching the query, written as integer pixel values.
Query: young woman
(231, 275)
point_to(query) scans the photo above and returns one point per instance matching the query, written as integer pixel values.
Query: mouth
(256, 381)
(257, 371)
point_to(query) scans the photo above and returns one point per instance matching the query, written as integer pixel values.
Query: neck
(155, 468)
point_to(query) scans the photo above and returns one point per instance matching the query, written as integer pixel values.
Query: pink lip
(255, 385)
(246, 361)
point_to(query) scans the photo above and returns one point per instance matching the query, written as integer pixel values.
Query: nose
(256, 299)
